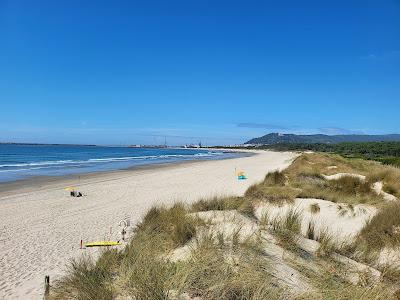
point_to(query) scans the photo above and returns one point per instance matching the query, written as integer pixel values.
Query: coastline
(37, 183)
(41, 225)
(29, 161)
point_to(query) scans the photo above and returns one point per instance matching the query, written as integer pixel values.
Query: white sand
(378, 188)
(41, 231)
(340, 175)
(343, 225)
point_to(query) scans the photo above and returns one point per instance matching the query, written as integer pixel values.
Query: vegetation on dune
(383, 230)
(143, 273)
(329, 284)
(305, 179)
(314, 208)
(173, 224)
(277, 195)
(345, 189)
(86, 279)
(241, 204)
(228, 267)
(385, 152)
(307, 172)
(275, 179)
(287, 228)
(217, 272)
(273, 189)
(390, 177)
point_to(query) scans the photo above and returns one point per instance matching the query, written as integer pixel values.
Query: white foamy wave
(57, 163)
(39, 163)
(29, 169)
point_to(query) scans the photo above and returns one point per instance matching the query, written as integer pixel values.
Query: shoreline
(40, 182)
(41, 225)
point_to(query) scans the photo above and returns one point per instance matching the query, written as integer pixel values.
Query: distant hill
(277, 138)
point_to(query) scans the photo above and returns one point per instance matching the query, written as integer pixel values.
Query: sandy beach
(41, 225)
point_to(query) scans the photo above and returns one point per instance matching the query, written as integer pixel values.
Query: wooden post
(81, 244)
(46, 287)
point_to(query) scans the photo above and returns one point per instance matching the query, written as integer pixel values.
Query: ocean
(23, 161)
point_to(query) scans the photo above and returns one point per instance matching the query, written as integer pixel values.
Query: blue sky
(122, 72)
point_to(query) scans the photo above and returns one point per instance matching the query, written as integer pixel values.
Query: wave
(55, 163)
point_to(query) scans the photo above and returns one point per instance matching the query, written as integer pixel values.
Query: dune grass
(389, 177)
(241, 204)
(274, 178)
(213, 272)
(140, 268)
(314, 208)
(87, 279)
(306, 174)
(226, 267)
(173, 224)
(383, 230)
(347, 189)
(143, 273)
(304, 179)
(287, 228)
(272, 194)
(328, 283)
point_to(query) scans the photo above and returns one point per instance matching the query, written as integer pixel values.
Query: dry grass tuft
(287, 228)
(86, 279)
(216, 273)
(274, 178)
(275, 194)
(173, 224)
(310, 234)
(383, 230)
(143, 272)
(306, 174)
(327, 245)
(390, 178)
(347, 189)
(314, 208)
(241, 204)
(328, 283)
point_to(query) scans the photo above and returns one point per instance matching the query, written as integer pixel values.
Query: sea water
(24, 161)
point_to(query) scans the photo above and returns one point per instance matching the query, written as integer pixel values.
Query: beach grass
(229, 267)
(241, 204)
(382, 231)
(87, 279)
(314, 208)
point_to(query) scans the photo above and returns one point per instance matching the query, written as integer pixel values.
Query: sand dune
(339, 220)
(41, 227)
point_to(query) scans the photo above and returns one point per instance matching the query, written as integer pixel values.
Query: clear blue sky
(121, 72)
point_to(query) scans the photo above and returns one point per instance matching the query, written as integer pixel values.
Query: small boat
(102, 244)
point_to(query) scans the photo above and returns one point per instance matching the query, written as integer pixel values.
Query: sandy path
(41, 231)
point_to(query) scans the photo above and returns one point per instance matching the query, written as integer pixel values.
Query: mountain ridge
(276, 138)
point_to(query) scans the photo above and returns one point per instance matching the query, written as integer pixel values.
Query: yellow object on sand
(70, 188)
(102, 244)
